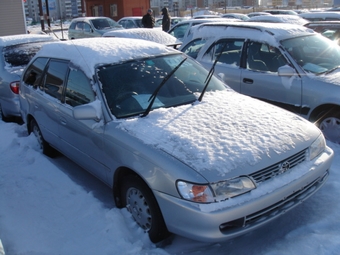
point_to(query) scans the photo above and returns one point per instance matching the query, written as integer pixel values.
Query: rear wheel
(140, 202)
(2, 116)
(44, 146)
(329, 123)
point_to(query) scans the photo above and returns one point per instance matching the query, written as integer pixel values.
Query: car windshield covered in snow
(171, 80)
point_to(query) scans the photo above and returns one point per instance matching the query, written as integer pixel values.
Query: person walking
(166, 21)
(148, 20)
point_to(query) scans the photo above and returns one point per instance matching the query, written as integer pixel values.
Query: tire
(329, 124)
(44, 146)
(2, 116)
(140, 202)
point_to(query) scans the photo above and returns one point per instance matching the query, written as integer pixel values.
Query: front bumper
(224, 220)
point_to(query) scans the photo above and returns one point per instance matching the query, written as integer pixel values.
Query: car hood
(227, 134)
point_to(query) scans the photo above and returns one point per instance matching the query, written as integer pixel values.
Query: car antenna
(211, 72)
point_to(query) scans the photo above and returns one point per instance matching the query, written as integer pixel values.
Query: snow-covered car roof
(154, 35)
(280, 18)
(273, 31)
(23, 38)
(108, 49)
(321, 15)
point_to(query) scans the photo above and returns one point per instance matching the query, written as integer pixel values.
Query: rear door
(228, 53)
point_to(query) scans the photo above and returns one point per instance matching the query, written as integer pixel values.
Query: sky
(51, 206)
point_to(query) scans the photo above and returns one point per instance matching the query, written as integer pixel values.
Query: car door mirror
(85, 112)
(286, 71)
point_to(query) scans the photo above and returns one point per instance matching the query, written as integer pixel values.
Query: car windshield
(20, 54)
(129, 86)
(101, 24)
(315, 53)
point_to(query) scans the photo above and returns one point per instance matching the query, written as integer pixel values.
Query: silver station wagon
(288, 65)
(181, 151)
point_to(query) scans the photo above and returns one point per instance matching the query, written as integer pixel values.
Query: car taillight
(14, 87)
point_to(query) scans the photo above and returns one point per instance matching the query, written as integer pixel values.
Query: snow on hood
(223, 132)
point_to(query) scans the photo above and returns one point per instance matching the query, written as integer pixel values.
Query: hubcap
(139, 208)
(331, 129)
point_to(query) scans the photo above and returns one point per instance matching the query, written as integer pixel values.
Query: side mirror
(286, 71)
(85, 112)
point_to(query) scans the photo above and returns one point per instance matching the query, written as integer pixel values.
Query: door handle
(63, 121)
(248, 81)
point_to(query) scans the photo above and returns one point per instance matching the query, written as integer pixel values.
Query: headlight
(317, 147)
(215, 192)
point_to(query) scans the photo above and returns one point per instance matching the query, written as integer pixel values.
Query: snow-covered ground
(52, 206)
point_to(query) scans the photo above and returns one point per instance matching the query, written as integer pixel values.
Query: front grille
(287, 203)
(269, 213)
(273, 170)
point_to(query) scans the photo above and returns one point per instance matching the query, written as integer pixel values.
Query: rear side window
(54, 78)
(192, 49)
(227, 51)
(34, 72)
(21, 54)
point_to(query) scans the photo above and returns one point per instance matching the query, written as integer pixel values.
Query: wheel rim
(139, 208)
(331, 129)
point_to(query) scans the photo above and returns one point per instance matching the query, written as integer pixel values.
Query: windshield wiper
(154, 94)
(331, 70)
(210, 74)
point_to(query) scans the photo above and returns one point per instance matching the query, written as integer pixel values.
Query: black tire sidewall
(158, 230)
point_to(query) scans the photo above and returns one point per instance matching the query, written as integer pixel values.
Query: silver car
(182, 152)
(88, 27)
(287, 65)
(15, 53)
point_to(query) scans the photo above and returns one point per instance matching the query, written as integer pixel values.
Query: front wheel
(329, 124)
(140, 202)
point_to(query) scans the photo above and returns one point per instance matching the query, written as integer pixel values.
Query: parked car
(329, 29)
(174, 21)
(280, 18)
(86, 27)
(131, 22)
(320, 16)
(253, 14)
(284, 64)
(284, 12)
(154, 35)
(16, 52)
(182, 29)
(239, 16)
(173, 142)
(207, 16)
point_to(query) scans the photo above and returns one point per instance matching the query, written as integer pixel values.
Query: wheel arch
(319, 111)
(120, 173)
